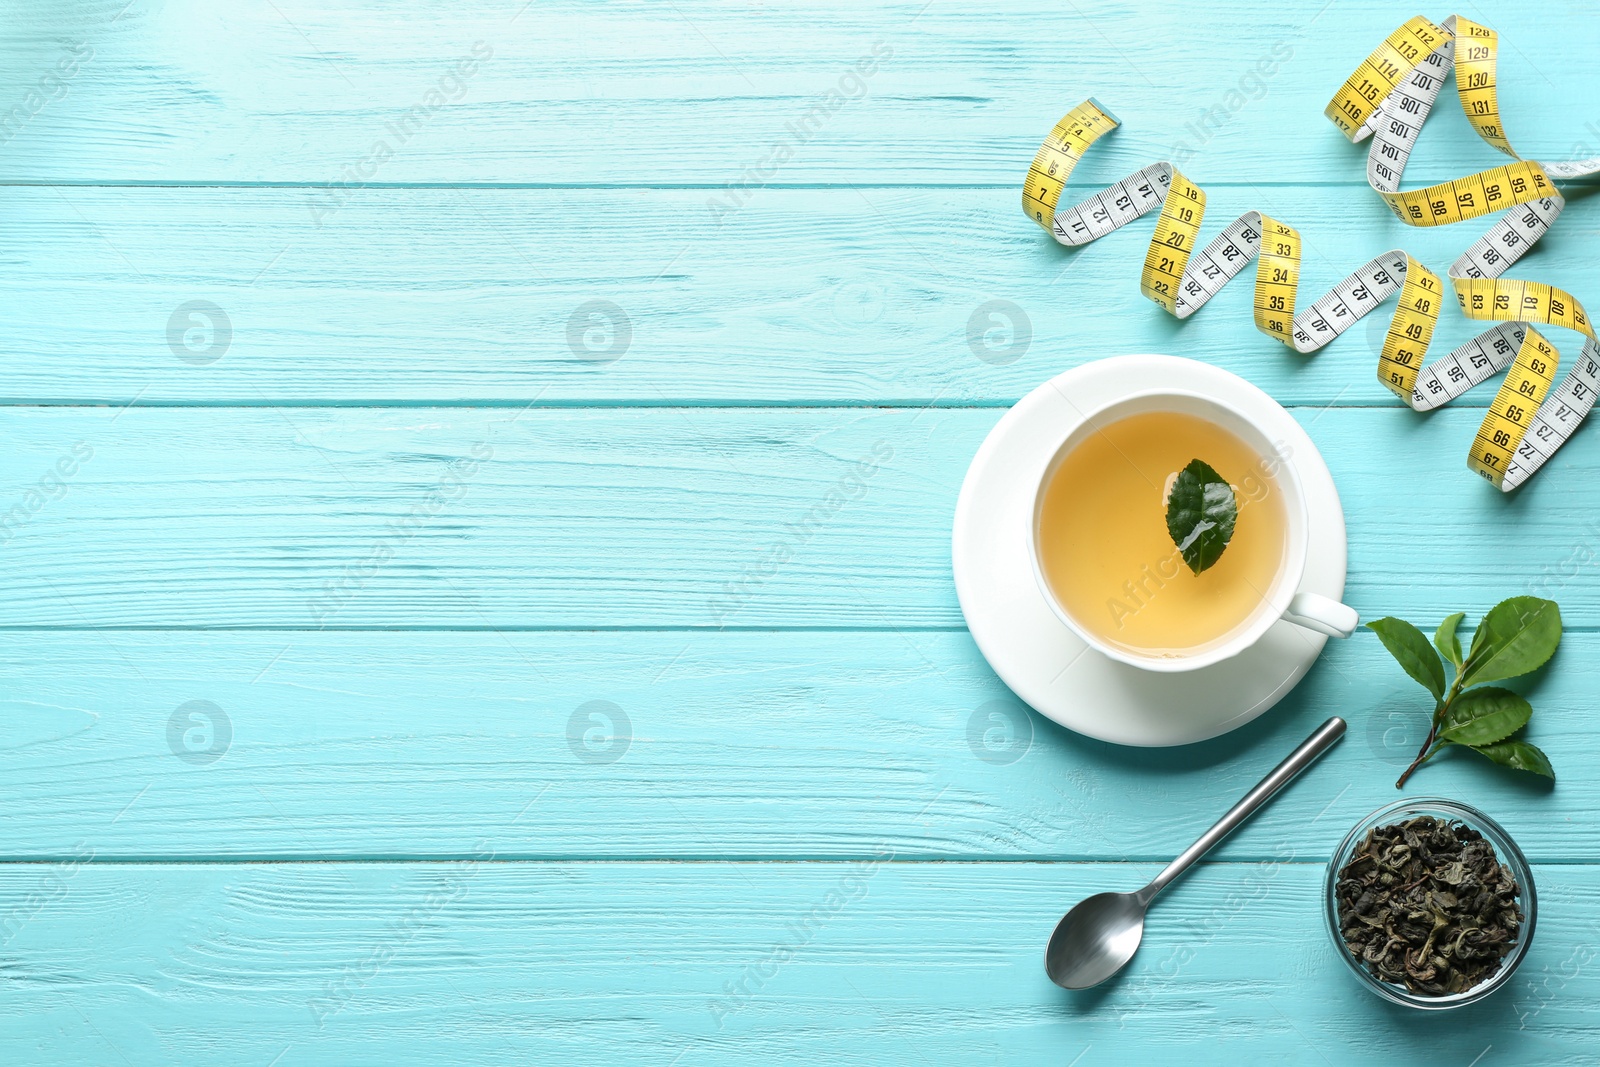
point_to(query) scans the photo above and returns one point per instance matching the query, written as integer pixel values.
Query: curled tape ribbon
(1387, 98)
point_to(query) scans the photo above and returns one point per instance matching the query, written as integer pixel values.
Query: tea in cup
(1109, 567)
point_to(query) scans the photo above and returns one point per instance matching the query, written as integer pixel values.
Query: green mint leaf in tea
(1412, 651)
(1201, 513)
(1427, 904)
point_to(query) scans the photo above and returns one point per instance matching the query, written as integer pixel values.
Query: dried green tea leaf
(1485, 715)
(1445, 639)
(1515, 637)
(1201, 513)
(1411, 650)
(1519, 755)
(1427, 904)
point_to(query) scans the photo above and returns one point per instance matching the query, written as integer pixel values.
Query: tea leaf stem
(1431, 744)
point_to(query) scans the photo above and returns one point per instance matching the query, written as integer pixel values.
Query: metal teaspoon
(1097, 938)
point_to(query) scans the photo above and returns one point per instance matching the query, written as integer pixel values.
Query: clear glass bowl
(1507, 852)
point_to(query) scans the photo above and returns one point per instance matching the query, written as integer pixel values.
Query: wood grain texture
(640, 94)
(867, 296)
(663, 517)
(861, 963)
(753, 745)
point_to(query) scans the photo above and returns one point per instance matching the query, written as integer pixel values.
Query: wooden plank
(752, 745)
(672, 517)
(713, 94)
(871, 296)
(861, 963)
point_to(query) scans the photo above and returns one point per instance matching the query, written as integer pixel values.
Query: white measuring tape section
(1387, 98)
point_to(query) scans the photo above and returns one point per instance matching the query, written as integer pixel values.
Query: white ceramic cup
(1254, 418)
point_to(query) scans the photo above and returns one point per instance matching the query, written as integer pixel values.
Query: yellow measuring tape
(1387, 98)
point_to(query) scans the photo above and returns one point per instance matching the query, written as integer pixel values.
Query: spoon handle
(1297, 761)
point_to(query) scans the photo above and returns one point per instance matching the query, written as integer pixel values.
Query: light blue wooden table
(402, 403)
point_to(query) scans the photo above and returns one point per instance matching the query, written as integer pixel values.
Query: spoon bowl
(1095, 940)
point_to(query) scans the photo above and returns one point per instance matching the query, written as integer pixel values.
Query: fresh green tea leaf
(1483, 716)
(1410, 648)
(1480, 637)
(1445, 639)
(1516, 636)
(1201, 512)
(1520, 755)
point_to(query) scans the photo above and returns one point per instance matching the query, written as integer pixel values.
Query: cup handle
(1319, 613)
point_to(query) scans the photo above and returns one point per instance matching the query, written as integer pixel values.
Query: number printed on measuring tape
(1387, 98)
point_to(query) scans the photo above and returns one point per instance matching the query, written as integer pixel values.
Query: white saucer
(1034, 652)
